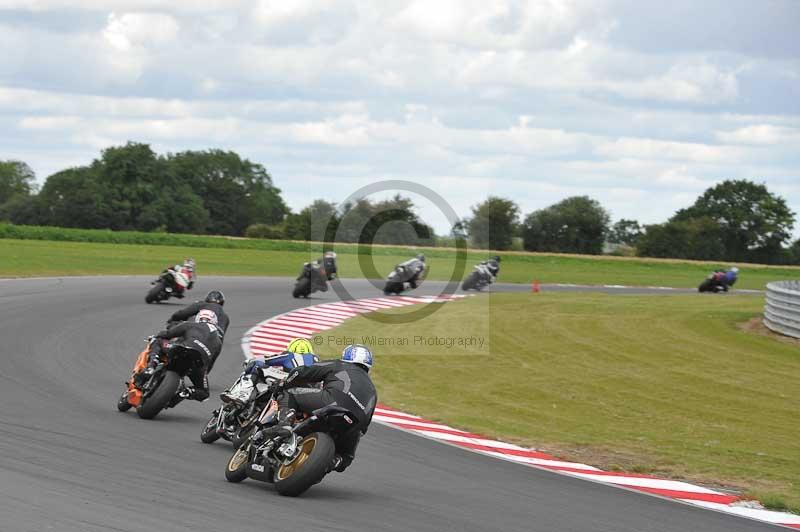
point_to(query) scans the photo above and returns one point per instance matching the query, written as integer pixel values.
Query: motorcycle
(314, 276)
(295, 462)
(407, 272)
(172, 282)
(235, 419)
(715, 282)
(152, 389)
(481, 277)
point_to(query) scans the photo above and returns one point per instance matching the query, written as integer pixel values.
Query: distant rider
(493, 265)
(299, 352)
(185, 275)
(730, 277)
(328, 263)
(346, 383)
(214, 301)
(201, 336)
(417, 267)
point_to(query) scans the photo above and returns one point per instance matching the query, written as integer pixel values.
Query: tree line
(218, 192)
(132, 188)
(733, 221)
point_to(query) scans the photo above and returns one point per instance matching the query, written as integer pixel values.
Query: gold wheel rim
(237, 460)
(306, 448)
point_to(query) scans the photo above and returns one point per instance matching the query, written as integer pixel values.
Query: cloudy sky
(639, 104)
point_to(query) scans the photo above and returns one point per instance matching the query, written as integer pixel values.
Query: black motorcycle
(715, 282)
(295, 462)
(315, 275)
(405, 276)
(171, 283)
(153, 388)
(241, 406)
(482, 276)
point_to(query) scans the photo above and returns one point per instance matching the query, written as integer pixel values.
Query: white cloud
(692, 81)
(315, 22)
(532, 100)
(644, 148)
(760, 135)
(129, 31)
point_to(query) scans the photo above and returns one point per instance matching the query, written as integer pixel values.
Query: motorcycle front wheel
(209, 433)
(236, 468)
(122, 403)
(302, 288)
(154, 294)
(471, 282)
(312, 462)
(392, 288)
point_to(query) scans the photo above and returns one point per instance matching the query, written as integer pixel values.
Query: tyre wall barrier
(782, 309)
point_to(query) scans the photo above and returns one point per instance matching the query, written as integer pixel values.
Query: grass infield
(30, 258)
(665, 385)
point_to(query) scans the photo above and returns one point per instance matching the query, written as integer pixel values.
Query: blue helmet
(358, 354)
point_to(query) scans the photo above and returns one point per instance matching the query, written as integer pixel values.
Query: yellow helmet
(300, 346)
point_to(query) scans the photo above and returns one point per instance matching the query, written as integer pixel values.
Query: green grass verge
(27, 258)
(667, 385)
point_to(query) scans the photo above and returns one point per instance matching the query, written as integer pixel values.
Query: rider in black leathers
(345, 383)
(417, 266)
(202, 337)
(493, 265)
(213, 302)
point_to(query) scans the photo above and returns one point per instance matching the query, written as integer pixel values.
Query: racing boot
(194, 394)
(283, 428)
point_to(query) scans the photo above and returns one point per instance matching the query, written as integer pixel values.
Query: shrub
(273, 232)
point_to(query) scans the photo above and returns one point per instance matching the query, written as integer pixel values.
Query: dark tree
(794, 252)
(697, 238)
(575, 225)
(79, 197)
(755, 223)
(317, 222)
(391, 221)
(16, 179)
(235, 192)
(493, 223)
(625, 232)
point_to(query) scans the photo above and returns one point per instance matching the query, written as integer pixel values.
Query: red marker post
(535, 287)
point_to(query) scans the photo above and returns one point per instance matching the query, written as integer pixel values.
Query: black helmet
(421, 257)
(215, 296)
(496, 258)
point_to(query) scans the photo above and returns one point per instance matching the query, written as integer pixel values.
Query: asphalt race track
(70, 462)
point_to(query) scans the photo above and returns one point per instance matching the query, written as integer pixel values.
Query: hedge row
(104, 236)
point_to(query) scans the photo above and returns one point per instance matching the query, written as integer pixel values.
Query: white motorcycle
(173, 282)
(481, 277)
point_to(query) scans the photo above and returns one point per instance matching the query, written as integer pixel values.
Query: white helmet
(358, 354)
(206, 316)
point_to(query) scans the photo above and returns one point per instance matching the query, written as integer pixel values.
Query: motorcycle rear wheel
(161, 397)
(705, 286)
(311, 464)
